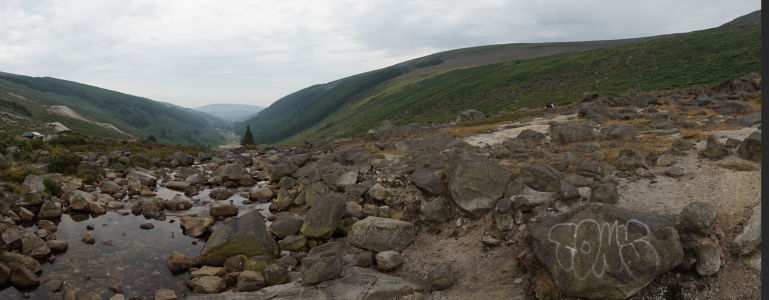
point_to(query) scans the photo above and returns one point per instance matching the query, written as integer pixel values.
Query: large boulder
(605, 193)
(476, 183)
(621, 132)
(247, 235)
(178, 262)
(220, 194)
(79, 200)
(738, 86)
(441, 276)
(708, 253)
(435, 210)
(49, 210)
(735, 107)
(347, 178)
(319, 268)
(428, 181)
(631, 159)
(149, 208)
(468, 115)
(286, 224)
(571, 133)
(531, 137)
(381, 234)
(324, 217)
(207, 285)
(311, 193)
(714, 149)
(22, 277)
(750, 237)
(386, 130)
(355, 283)
(29, 263)
(223, 210)
(34, 246)
(606, 252)
(110, 187)
(595, 110)
(750, 148)
(178, 185)
(232, 172)
(32, 184)
(748, 120)
(388, 260)
(177, 203)
(181, 159)
(283, 168)
(249, 281)
(643, 100)
(435, 143)
(698, 217)
(144, 178)
(542, 177)
(195, 226)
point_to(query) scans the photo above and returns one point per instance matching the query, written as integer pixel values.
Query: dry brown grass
(654, 144)
(668, 107)
(693, 135)
(755, 103)
(738, 166)
(639, 121)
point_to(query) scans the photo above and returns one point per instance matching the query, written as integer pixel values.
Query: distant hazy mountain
(231, 112)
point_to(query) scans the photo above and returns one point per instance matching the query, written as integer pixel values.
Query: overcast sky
(197, 52)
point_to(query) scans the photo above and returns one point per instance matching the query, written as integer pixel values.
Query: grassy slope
(306, 108)
(701, 57)
(135, 115)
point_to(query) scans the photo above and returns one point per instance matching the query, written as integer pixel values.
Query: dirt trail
(499, 136)
(728, 190)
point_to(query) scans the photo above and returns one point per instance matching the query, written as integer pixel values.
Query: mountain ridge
(138, 117)
(430, 89)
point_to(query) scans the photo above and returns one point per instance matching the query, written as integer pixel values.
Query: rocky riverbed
(651, 196)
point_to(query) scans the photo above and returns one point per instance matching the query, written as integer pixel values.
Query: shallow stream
(135, 259)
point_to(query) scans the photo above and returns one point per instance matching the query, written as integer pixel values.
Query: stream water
(135, 259)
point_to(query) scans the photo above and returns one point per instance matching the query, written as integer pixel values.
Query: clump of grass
(738, 166)
(694, 136)
(64, 162)
(52, 186)
(14, 175)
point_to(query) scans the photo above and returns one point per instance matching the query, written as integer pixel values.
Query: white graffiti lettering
(594, 248)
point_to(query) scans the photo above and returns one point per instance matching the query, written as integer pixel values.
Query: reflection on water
(136, 260)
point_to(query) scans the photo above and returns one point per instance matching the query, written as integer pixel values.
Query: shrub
(64, 162)
(90, 176)
(68, 140)
(52, 186)
(14, 175)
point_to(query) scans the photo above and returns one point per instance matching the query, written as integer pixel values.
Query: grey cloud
(193, 53)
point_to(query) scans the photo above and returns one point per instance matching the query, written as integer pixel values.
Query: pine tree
(248, 138)
(151, 138)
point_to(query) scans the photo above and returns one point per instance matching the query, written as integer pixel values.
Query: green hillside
(29, 100)
(429, 89)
